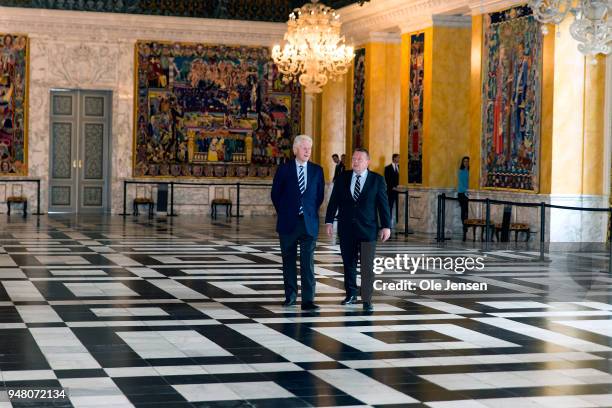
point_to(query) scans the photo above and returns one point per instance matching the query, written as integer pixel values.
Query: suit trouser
(351, 250)
(288, 244)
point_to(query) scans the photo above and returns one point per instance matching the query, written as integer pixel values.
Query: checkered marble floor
(185, 312)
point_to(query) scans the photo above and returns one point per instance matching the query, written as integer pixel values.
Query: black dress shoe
(368, 307)
(289, 302)
(310, 306)
(349, 300)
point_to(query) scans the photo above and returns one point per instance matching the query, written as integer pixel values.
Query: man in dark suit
(392, 180)
(339, 166)
(297, 194)
(360, 198)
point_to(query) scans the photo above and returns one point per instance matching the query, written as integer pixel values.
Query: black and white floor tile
(181, 312)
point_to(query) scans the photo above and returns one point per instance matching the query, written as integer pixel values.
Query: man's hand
(385, 233)
(330, 229)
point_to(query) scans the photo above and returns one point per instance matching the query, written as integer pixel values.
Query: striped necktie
(357, 189)
(302, 186)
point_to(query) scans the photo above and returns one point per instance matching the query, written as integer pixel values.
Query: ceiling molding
(361, 24)
(412, 15)
(452, 21)
(105, 27)
(437, 21)
(416, 25)
(380, 37)
(489, 6)
(383, 15)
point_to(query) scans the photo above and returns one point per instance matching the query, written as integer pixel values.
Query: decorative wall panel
(415, 103)
(94, 106)
(60, 195)
(94, 151)
(13, 104)
(511, 91)
(211, 110)
(62, 105)
(359, 78)
(61, 150)
(92, 196)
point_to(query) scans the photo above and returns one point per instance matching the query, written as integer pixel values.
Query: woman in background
(463, 177)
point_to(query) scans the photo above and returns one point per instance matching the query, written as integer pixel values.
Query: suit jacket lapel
(368, 183)
(293, 179)
(309, 176)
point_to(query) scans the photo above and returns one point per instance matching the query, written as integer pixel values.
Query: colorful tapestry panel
(358, 125)
(211, 111)
(512, 61)
(415, 114)
(13, 105)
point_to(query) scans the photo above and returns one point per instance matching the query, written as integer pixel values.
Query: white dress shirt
(297, 171)
(362, 180)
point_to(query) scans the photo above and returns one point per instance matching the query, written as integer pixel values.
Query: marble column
(382, 137)
(475, 105)
(446, 113)
(333, 124)
(574, 166)
(446, 127)
(311, 123)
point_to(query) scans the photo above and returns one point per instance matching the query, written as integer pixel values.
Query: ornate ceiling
(253, 10)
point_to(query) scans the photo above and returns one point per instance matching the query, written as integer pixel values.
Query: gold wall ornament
(314, 51)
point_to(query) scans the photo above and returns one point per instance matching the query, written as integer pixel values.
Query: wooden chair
(224, 202)
(520, 227)
(144, 196)
(506, 227)
(474, 224)
(503, 229)
(17, 197)
(515, 227)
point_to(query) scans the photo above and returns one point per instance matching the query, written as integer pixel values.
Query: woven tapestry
(13, 105)
(415, 113)
(358, 125)
(512, 82)
(211, 111)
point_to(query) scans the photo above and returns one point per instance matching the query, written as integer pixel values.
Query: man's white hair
(301, 139)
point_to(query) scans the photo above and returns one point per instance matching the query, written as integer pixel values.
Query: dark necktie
(302, 187)
(357, 189)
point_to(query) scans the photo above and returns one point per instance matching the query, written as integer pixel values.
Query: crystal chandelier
(314, 50)
(591, 26)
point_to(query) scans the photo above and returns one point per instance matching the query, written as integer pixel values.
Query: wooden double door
(79, 154)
